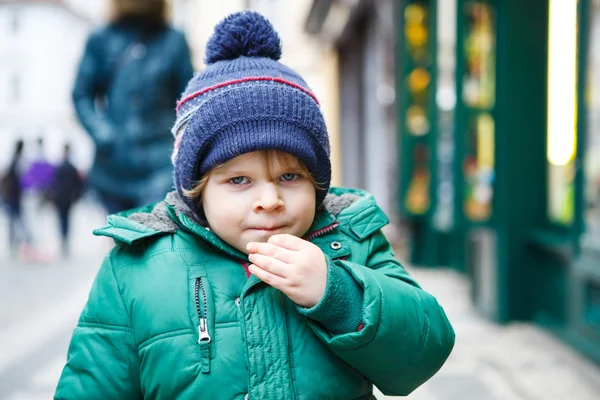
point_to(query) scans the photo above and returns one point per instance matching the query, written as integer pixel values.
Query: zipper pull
(203, 335)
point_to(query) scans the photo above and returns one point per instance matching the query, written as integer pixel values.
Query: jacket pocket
(204, 320)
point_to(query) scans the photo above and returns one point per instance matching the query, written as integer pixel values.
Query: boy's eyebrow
(240, 170)
(229, 171)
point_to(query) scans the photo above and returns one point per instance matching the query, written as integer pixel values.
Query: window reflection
(592, 151)
(479, 96)
(562, 106)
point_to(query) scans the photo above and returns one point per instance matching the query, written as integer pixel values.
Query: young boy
(254, 280)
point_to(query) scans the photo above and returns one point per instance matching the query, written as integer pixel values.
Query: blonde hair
(271, 159)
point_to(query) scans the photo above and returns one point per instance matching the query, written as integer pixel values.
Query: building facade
(40, 48)
(361, 35)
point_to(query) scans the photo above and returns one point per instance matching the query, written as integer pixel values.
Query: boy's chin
(262, 237)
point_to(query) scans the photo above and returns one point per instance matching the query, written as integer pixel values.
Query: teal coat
(172, 315)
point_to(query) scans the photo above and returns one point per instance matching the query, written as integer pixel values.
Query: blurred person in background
(131, 74)
(12, 198)
(39, 174)
(66, 189)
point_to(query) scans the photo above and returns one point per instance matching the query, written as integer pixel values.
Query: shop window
(478, 167)
(592, 141)
(416, 113)
(562, 110)
(479, 98)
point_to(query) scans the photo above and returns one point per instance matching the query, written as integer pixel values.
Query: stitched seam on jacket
(289, 345)
(212, 344)
(228, 324)
(164, 335)
(425, 330)
(380, 300)
(152, 255)
(271, 316)
(424, 338)
(380, 319)
(112, 269)
(188, 305)
(108, 327)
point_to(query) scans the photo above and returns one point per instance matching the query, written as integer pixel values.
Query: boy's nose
(268, 198)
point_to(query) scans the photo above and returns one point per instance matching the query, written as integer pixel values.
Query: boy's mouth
(266, 228)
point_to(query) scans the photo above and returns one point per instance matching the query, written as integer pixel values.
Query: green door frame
(424, 238)
(519, 185)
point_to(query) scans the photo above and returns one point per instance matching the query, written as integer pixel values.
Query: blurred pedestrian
(66, 189)
(39, 174)
(131, 74)
(12, 196)
(254, 279)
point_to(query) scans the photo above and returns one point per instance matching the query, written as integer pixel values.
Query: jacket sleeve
(102, 361)
(406, 336)
(89, 87)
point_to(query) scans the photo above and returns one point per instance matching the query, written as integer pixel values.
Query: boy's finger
(287, 241)
(272, 250)
(270, 264)
(265, 276)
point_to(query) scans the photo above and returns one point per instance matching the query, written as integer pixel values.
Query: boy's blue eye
(239, 180)
(289, 177)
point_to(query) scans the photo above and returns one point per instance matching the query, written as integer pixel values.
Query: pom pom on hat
(245, 33)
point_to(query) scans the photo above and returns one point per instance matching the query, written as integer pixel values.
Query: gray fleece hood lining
(159, 219)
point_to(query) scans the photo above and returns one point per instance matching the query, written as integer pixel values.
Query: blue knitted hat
(244, 101)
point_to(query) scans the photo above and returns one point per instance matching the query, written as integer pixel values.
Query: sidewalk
(490, 362)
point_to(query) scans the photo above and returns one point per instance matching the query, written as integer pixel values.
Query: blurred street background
(475, 124)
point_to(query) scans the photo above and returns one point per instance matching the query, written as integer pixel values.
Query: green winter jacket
(172, 315)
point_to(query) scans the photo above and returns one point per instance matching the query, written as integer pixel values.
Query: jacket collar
(350, 211)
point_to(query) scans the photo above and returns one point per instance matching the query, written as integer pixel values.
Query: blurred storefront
(40, 46)
(514, 154)
(425, 87)
(362, 34)
(494, 161)
(584, 165)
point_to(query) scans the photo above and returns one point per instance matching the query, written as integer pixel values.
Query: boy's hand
(292, 265)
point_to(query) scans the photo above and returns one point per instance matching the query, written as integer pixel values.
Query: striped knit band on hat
(245, 101)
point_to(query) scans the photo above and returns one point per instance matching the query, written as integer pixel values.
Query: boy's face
(243, 204)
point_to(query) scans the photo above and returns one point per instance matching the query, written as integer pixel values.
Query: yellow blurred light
(415, 13)
(416, 34)
(418, 80)
(485, 141)
(562, 82)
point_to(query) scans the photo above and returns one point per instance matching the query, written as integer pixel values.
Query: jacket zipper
(203, 335)
(322, 231)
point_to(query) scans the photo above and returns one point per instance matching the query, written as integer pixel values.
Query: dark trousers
(64, 223)
(64, 217)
